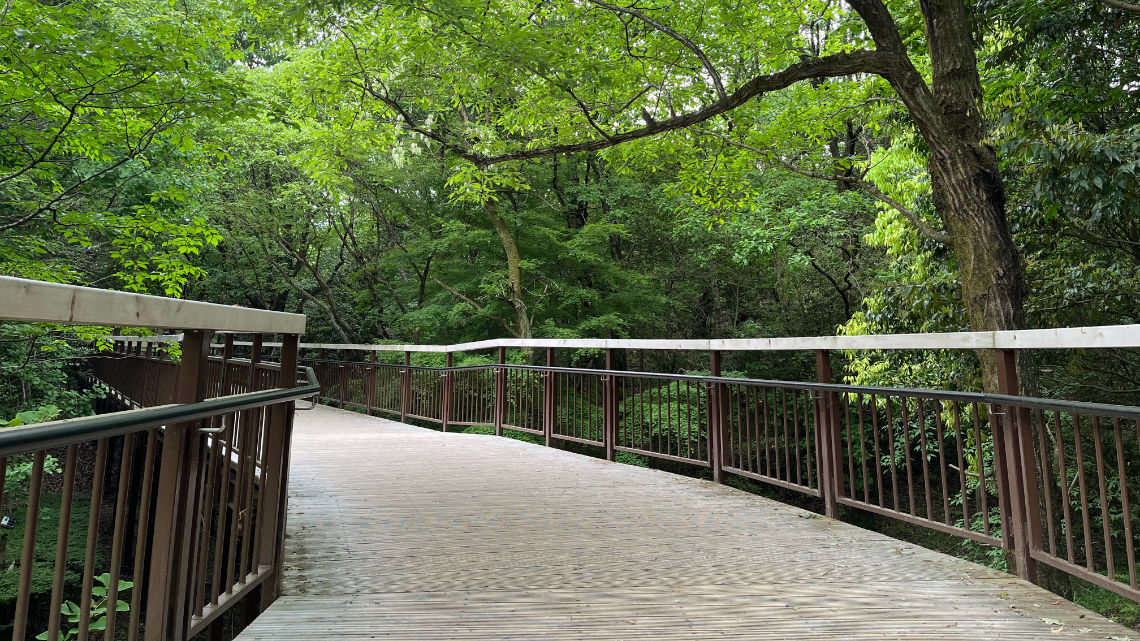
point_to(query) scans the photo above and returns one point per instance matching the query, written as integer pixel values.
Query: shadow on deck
(404, 533)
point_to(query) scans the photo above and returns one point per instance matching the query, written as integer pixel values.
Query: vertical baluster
(88, 579)
(1084, 497)
(863, 450)
(967, 516)
(60, 567)
(1064, 484)
(1106, 525)
(983, 489)
(797, 397)
(1122, 477)
(878, 452)
(1042, 426)
(938, 433)
(928, 496)
(31, 521)
(140, 535)
(907, 454)
(716, 418)
(784, 443)
(119, 539)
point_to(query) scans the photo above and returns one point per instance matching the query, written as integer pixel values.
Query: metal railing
(1053, 482)
(177, 501)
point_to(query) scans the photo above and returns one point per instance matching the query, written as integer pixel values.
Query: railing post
(1020, 470)
(370, 383)
(609, 408)
(343, 378)
(500, 391)
(716, 423)
(548, 388)
(405, 386)
(254, 361)
(227, 356)
(170, 559)
(445, 411)
(278, 434)
(150, 389)
(827, 436)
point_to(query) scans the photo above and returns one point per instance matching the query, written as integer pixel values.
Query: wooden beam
(1100, 337)
(40, 302)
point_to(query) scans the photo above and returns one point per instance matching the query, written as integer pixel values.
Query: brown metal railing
(1054, 482)
(167, 509)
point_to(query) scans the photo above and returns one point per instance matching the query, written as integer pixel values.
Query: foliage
(97, 614)
(44, 550)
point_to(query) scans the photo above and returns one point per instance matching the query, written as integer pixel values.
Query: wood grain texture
(397, 532)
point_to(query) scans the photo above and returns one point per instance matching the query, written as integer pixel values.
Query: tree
(492, 84)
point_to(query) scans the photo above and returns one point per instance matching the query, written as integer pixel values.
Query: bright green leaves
(97, 616)
(100, 95)
(471, 184)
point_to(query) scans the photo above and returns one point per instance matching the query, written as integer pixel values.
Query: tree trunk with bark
(514, 267)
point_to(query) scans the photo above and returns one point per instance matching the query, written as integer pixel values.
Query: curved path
(398, 532)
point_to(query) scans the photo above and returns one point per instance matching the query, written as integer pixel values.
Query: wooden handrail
(1097, 337)
(41, 302)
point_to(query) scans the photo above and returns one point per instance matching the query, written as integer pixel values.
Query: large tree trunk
(514, 268)
(967, 186)
(969, 195)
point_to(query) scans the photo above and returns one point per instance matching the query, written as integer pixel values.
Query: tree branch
(1120, 4)
(840, 64)
(867, 187)
(672, 33)
(476, 306)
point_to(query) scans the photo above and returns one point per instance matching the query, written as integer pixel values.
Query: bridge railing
(158, 520)
(1054, 482)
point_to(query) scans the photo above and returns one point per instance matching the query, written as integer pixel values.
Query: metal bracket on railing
(310, 378)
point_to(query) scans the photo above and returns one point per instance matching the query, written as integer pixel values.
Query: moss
(44, 551)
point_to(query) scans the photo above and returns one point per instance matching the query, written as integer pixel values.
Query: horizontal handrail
(1079, 407)
(17, 440)
(42, 302)
(1097, 337)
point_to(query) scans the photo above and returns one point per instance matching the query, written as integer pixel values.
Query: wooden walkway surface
(397, 532)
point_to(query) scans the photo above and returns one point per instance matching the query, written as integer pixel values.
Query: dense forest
(440, 171)
(462, 169)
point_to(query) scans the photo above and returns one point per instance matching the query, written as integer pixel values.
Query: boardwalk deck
(397, 532)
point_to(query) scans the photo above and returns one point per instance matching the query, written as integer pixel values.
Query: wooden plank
(406, 533)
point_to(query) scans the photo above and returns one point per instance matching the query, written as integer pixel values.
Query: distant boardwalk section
(397, 532)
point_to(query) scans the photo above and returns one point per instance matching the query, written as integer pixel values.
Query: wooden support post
(716, 419)
(500, 391)
(149, 396)
(370, 384)
(227, 356)
(609, 409)
(168, 585)
(1016, 439)
(548, 409)
(827, 436)
(343, 378)
(405, 386)
(278, 434)
(445, 411)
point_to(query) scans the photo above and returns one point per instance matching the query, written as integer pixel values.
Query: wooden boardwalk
(397, 532)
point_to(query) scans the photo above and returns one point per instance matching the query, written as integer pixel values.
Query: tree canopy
(452, 170)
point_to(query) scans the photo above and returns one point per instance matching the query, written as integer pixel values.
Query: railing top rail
(1104, 336)
(40, 302)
